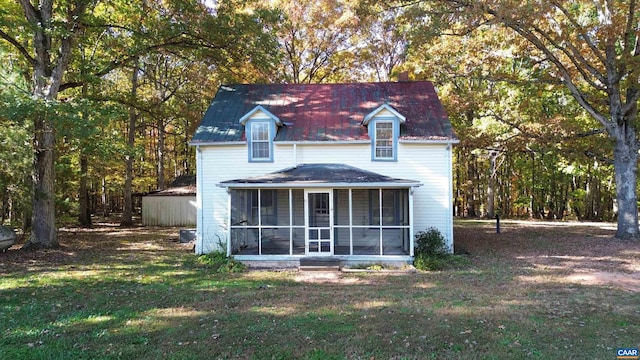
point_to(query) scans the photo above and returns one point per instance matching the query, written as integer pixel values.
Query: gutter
(303, 185)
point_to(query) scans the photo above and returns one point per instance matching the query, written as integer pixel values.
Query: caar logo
(627, 353)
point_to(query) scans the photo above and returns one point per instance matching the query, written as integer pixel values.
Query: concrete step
(319, 264)
(319, 268)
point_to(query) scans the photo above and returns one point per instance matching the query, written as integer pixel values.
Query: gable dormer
(260, 128)
(383, 125)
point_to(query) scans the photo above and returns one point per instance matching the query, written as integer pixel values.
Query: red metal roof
(325, 112)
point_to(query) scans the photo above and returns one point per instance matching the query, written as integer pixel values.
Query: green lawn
(541, 292)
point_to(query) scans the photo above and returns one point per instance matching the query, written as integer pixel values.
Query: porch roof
(321, 175)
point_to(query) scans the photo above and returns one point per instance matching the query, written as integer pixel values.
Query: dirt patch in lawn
(563, 253)
(80, 246)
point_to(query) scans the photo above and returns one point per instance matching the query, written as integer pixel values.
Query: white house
(347, 171)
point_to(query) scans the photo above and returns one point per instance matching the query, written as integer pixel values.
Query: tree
(54, 31)
(316, 41)
(386, 41)
(593, 48)
(127, 212)
(50, 36)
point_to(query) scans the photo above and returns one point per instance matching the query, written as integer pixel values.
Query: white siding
(428, 163)
(169, 210)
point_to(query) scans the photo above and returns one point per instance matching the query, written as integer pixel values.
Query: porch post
(350, 221)
(291, 219)
(259, 222)
(380, 221)
(411, 236)
(228, 222)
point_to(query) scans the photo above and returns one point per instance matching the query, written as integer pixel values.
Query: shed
(175, 206)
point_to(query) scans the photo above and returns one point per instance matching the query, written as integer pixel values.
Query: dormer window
(384, 131)
(383, 140)
(260, 126)
(260, 144)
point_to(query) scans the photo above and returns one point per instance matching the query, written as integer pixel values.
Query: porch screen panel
(255, 222)
(298, 207)
(360, 207)
(268, 207)
(368, 243)
(395, 241)
(341, 207)
(252, 207)
(298, 241)
(239, 213)
(374, 207)
(275, 241)
(244, 241)
(275, 228)
(298, 227)
(342, 223)
(342, 241)
(282, 207)
(244, 222)
(366, 238)
(395, 207)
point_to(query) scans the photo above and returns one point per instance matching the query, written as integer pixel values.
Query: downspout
(199, 190)
(295, 154)
(450, 185)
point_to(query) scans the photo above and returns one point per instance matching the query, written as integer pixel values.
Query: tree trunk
(625, 157)
(532, 195)
(470, 193)
(161, 135)
(187, 155)
(127, 211)
(84, 216)
(491, 184)
(104, 198)
(43, 219)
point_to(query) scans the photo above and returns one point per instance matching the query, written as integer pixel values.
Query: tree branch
(577, 59)
(18, 46)
(599, 157)
(577, 94)
(30, 12)
(584, 35)
(115, 64)
(628, 31)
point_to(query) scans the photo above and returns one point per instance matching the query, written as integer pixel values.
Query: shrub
(432, 252)
(220, 262)
(232, 266)
(431, 243)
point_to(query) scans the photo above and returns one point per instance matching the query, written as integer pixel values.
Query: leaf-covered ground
(537, 290)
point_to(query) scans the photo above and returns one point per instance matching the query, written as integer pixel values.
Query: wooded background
(137, 76)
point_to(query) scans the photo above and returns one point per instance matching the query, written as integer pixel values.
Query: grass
(531, 292)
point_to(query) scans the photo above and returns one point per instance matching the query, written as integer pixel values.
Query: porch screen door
(319, 223)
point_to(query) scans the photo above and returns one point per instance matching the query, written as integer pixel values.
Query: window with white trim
(383, 134)
(260, 141)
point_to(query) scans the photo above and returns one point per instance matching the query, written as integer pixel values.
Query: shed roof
(182, 185)
(318, 175)
(325, 112)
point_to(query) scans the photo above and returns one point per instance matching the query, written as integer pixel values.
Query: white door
(319, 222)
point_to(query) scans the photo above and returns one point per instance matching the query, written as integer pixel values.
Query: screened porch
(320, 221)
